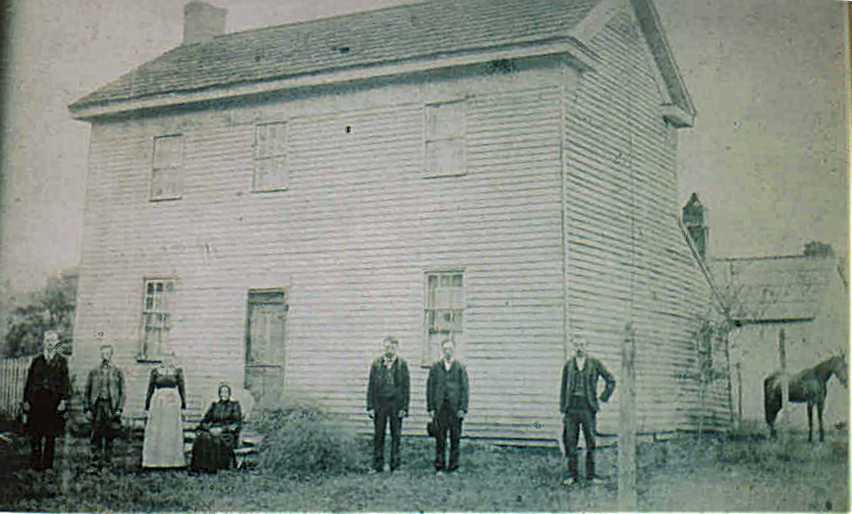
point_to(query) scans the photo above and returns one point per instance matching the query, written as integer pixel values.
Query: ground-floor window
(444, 311)
(157, 310)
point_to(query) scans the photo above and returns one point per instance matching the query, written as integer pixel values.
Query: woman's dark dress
(214, 452)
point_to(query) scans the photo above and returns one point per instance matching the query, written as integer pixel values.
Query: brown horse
(808, 385)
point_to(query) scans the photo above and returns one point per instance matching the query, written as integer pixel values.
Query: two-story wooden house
(270, 204)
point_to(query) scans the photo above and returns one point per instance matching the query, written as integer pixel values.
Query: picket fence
(13, 375)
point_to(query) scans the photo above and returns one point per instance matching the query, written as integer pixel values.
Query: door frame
(247, 335)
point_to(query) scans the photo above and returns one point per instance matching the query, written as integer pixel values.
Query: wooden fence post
(739, 395)
(784, 384)
(65, 480)
(627, 498)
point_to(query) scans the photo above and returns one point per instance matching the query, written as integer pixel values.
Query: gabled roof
(784, 288)
(427, 30)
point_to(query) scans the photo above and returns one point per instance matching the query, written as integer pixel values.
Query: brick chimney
(202, 22)
(695, 219)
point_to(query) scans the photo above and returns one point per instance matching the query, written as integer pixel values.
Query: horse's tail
(771, 398)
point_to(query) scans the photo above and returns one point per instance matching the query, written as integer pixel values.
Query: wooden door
(266, 337)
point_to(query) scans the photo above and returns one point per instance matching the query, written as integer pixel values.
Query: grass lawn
(719, 474)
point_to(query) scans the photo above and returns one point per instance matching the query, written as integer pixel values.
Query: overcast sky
(767, 155)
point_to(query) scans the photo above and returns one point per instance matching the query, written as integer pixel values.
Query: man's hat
(430, 429)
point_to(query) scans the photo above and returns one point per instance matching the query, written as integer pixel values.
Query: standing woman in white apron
(163, 445)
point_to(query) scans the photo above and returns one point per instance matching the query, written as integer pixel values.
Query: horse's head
(840, 368)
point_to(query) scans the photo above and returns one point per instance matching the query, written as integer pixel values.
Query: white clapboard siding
(620, 194)
(358, 226)
(350, 239)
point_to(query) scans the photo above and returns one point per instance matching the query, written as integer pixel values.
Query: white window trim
(180, 167)
(427, 173)
(256, 158)
(141, 355)
(429, 356)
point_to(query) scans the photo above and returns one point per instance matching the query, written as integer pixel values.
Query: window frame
(430, 354)
(431, 139)
(178, 168)
(143, 354)
(258, 159)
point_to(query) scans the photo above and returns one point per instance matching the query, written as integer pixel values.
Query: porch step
(246, 452)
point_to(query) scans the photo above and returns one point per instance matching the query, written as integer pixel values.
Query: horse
(808, 385)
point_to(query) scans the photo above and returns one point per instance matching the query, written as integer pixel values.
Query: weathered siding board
(13, 378)
(620, 187)
(350, 239)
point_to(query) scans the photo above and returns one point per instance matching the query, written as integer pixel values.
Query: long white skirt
(163, 446)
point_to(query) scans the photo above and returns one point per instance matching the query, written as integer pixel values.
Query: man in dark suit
(578, 404)
(387, 401)
(446, 401)
(46, 393)
(104, 399)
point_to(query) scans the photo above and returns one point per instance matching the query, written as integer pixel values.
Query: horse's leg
(820, 406)
(810, 422)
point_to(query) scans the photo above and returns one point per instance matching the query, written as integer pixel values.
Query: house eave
(577, 54)
(770, 321)
(678, 116)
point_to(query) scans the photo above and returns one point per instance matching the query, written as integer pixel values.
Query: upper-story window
(167, 168)
(270, 157)
(445, 138)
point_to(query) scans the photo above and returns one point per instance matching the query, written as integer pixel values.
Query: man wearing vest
(387, 401)
(446, 401)
(104, 399)
(578, 404)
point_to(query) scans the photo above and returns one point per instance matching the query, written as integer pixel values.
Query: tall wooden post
(627, 499)
(784, 383)
(739, 394)
(65, 480)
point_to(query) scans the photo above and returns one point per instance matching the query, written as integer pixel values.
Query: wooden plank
(627, 496)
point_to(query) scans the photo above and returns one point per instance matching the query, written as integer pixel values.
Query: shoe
(570, 482)
(439, 473)
(374, 471)
(595, 479)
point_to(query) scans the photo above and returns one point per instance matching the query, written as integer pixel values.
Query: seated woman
(218, 434)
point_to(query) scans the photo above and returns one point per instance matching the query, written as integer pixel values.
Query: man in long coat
(104, 399)
(387, 401)
(46, 395)
(579, 406)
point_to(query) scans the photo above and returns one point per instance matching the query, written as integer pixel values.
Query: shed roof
(431, 29)
(782, 288)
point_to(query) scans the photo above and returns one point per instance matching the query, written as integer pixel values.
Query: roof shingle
(362, 39)
(774, 288)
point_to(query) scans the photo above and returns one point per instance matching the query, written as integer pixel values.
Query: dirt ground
(719, 474)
